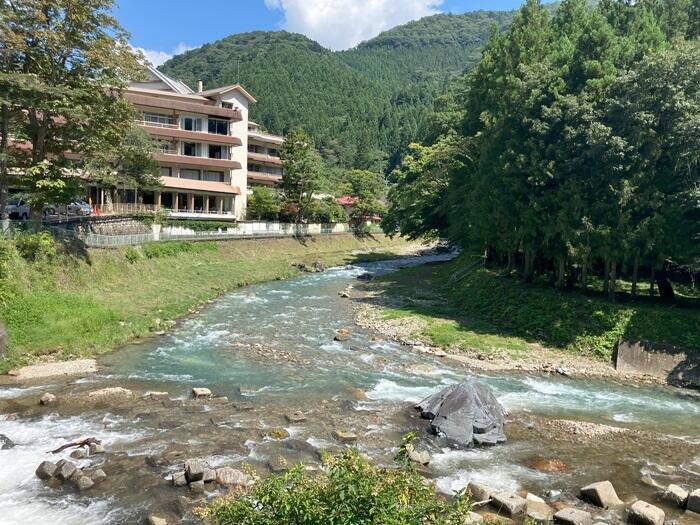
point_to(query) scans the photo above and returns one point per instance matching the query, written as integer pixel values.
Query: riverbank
(494, 323)
(82, 303)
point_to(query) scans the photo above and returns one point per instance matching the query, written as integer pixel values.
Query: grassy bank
(463, 306)
(74, 302)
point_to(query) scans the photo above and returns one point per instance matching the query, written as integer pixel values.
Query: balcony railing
(157, 124)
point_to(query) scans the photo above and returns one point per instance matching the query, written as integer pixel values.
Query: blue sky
(162, 28)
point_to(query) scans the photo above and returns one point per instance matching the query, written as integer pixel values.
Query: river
(270, 349)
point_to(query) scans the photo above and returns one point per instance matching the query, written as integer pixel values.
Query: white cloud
(341, 24)
(156, 57)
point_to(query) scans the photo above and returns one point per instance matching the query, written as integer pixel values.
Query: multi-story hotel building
(210, 154)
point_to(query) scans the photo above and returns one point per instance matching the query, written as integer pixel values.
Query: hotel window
(166, 171)
(227, 105)
(158, 119)
(191, 149)
(273, 152)
(218, 152)
(213, 176)
(192, 124)
(218, 126)
(189, 174)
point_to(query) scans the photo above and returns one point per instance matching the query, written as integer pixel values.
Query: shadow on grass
(483, 309)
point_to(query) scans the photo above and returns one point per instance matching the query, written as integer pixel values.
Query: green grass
(486, 310)
(89, 302)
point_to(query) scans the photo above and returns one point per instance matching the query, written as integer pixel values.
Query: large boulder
(465, 414)
(643, 513)
(5, 442)
(602, 494)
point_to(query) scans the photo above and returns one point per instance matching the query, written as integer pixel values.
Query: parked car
(18, 208)
(76, 207)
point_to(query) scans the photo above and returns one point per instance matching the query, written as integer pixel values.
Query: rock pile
(66, 472)
(6, 442)
(466, 414)
(197, 475)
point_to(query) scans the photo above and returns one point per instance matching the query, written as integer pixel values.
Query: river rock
(64, 470)
(472, 518)
(571, 516)
(115, 392)
(479, 491)
(179, 478)
(98, 476)
(459, 412)
(675, 495)
(197, 486)
(156, 520)
(84, 483)
(96, 448)
(295, 417)
(601, 494)
(6, 442)
(201, 393)
(79, 453)
(342, 335)
(194, 470)
(277, 433)
(508, 503)
(209, 475)
(539, 511)
(421, 457)
(643, 513)
(535, 499)
(46, 470)
(693, 503)
(231, 477)
(345, 436)
(47, 399)
(365, 277)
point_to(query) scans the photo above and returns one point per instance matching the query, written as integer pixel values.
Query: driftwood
(77, 444)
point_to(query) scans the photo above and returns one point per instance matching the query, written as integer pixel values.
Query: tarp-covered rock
(465, 414)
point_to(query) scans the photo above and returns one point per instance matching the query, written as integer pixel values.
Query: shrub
(132, 254)
(8, 255)
(154, 250)
(350, 490)
(36, 247)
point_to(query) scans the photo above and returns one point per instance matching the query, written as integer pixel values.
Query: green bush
(8, 255)
(132, 254)
(350, 490)
(36, 247)
(154, 250)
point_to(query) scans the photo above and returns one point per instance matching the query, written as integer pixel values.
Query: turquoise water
(272, 346)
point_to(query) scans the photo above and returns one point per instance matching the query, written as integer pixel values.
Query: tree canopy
(571, 148)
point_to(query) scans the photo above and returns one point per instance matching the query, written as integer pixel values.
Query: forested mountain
(362, 106)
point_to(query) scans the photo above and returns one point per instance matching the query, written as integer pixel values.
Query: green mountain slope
(362, 106)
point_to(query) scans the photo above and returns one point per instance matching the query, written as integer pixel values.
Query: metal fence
(240, 230)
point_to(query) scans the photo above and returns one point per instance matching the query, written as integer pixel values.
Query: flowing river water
(270, 349)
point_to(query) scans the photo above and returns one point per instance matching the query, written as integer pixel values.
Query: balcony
(173, 131)
(258, 176)
(202, 186)
(171, 158)
(264, 159)
(191, 104)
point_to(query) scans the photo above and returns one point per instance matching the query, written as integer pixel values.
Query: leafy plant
(132, 255)
(350, 490)
(154, 250)
(36, 247)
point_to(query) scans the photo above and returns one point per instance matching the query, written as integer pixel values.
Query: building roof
(176, 85)
(226, 89)
(347, 200)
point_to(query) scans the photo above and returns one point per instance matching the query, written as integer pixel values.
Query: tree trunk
(561, 271)
(635, 275)
(665, 288)
(528, 262)
(584, 275)
(606, 277)
(4, 149)
(613, 268)
(511, 259)
(651, 282)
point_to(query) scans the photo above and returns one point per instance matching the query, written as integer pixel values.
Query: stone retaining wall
(675, 365)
